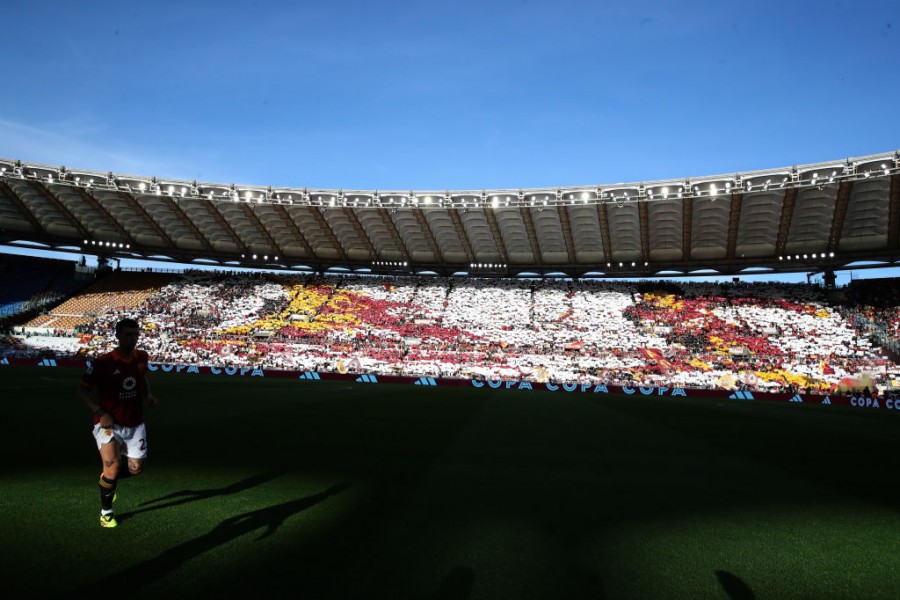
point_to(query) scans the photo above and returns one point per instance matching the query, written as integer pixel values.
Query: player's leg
(109, 456)
(134, 450)
(135, 466)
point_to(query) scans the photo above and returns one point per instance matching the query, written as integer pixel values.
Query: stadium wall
(879, 403)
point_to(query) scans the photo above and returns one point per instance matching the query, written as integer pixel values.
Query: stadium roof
(812, 218)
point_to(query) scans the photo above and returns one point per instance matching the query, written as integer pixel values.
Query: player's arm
(84, 394)
(148, 395)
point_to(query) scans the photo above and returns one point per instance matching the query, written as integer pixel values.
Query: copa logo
(519, 385)
(863, 402)
(170, 368)
(240, 371)
(602, 389)
(571, 387)
(580, 388)
(648, 391)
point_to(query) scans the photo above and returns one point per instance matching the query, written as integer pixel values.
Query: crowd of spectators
(873, 306)
(755, 336)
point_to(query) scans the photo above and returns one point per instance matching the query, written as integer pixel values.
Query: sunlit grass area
(335, 490)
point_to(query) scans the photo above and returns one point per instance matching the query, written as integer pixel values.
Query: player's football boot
(108, 521)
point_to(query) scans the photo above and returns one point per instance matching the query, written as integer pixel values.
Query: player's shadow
(267, 520)
(734, 586)
(457, 585)
(187, 496)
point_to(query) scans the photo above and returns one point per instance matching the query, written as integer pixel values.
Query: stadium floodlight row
(816, 217)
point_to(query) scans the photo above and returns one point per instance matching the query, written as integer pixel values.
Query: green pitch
(280, 488)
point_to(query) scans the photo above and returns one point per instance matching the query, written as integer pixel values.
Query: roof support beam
(262, 230)
(178, 212)
(29, 216)
(429, 237)
(784, 224)
(140, 209)
(90, 199)
(734, 220)
(603, 215)
(567, 232)
(840, 211)
(894, 214)
(361, 233)
(687, 223)
(461, 232)
(61, 208)
(323, 224)
(216, 213)
(644, 221)
(298, 235)
(495, 232)
(532, 236)
(395, 235)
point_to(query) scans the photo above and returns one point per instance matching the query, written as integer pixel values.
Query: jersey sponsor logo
(129, 383)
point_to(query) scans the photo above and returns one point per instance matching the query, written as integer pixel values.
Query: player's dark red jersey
(120, 384)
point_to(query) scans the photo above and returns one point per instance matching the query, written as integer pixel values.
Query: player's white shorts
(133, 439)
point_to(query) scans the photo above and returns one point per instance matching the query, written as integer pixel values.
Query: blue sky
(462, 95)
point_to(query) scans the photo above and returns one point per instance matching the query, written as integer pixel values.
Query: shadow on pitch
(734, 586)
(266, 520)
(457, 585)
(187, 496)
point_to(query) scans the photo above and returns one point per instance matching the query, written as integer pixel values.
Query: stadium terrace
(562, 333)
(493, 285)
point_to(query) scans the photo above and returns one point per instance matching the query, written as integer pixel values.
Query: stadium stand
(872, 306)
(754, 336)
(116, 291)
(38, 283)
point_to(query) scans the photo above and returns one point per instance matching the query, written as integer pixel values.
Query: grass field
(282, 488)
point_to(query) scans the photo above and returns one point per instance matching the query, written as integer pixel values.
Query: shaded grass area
(335, 490)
